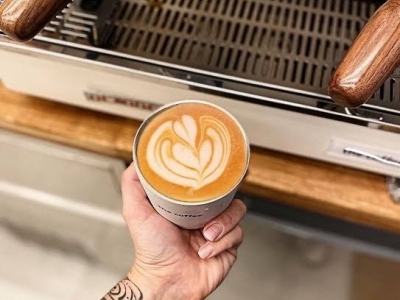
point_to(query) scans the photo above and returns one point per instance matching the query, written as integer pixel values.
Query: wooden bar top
(316, 186)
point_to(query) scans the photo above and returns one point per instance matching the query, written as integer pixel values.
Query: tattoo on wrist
(124, 290)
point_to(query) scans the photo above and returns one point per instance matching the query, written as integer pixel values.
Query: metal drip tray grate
(289, 43)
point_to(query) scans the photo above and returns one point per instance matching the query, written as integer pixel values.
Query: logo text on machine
(143, 105)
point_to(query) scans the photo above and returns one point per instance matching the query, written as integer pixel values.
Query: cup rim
(160, 110)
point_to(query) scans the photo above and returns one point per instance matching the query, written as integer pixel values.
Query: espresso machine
(269, 62)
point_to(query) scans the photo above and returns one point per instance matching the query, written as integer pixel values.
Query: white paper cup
(189, 215)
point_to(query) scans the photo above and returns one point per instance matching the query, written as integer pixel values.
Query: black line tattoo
(124, 290)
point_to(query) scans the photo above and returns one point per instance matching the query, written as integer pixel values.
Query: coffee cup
(190, 157)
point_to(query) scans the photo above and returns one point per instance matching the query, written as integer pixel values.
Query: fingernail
(205, 251)
(212, 232)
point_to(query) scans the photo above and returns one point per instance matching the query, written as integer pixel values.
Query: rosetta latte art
(190, 154)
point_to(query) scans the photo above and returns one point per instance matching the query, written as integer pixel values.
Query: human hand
(175, 263)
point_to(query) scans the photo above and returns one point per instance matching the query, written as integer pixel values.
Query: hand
(174, 263)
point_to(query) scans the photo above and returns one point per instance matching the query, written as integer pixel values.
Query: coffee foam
(193, 152)
(175, 156)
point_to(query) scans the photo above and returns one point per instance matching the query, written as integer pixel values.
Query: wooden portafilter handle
(371, 59)
(23, 19)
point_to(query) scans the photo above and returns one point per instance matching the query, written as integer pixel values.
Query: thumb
(135, 206)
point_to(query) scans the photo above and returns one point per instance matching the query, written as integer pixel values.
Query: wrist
(155, 287)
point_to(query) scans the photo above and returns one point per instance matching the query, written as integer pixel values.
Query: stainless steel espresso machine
(267, 62)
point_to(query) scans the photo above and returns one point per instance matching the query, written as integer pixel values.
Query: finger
(225, 222)
(232, 240)
(233, 251)
(135, 206)
(232, 255)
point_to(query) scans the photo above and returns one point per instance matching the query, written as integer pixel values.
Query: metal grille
(289, 43)
(73, 26)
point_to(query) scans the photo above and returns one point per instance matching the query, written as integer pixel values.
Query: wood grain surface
(23, 19)
(316, 186)
(372, 58)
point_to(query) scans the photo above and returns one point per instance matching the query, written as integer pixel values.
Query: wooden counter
(328, 189)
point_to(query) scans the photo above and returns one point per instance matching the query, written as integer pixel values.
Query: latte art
(191, 152)
(188, 153)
